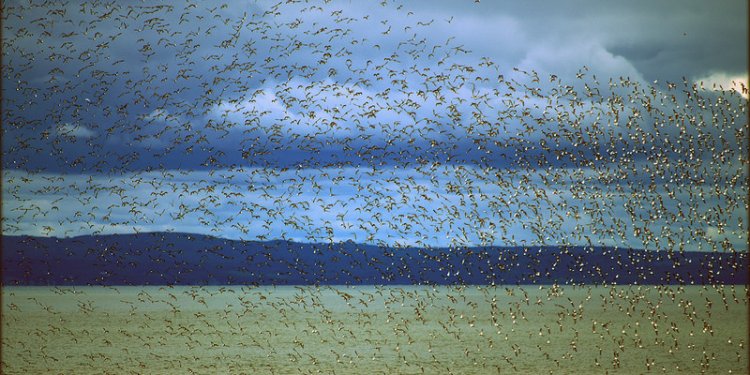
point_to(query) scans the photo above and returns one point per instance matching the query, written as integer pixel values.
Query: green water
(368, 329)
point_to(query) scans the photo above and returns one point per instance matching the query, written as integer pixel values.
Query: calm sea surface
(370, 329)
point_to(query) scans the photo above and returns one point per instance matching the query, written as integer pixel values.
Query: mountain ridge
(171, 258)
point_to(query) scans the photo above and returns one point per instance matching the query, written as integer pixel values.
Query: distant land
(192, 259)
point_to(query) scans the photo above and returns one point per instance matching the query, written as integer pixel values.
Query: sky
(430, 123)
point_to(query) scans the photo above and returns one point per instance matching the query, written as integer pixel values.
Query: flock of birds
(296, 111)
(379, 329)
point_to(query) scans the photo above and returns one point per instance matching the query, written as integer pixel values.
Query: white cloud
(566, 59)
(75, 131)
(725, 82)
(161, 115)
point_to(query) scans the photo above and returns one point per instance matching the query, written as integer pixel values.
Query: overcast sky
(380, 122)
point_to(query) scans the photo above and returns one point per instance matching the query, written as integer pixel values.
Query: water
(370, 329)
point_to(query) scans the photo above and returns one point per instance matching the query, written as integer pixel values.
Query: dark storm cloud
(107, 69)
(662, 40)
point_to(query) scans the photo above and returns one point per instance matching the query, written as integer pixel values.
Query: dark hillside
(178, 258)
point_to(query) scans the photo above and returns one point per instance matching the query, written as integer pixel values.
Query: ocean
(375, 329)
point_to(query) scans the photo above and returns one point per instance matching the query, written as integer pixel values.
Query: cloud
(567, 59)
(724, 82)
(433, 205)
(160, 115)
(322, 61)
(75, 131)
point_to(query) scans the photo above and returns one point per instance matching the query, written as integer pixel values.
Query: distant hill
(189, 259)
